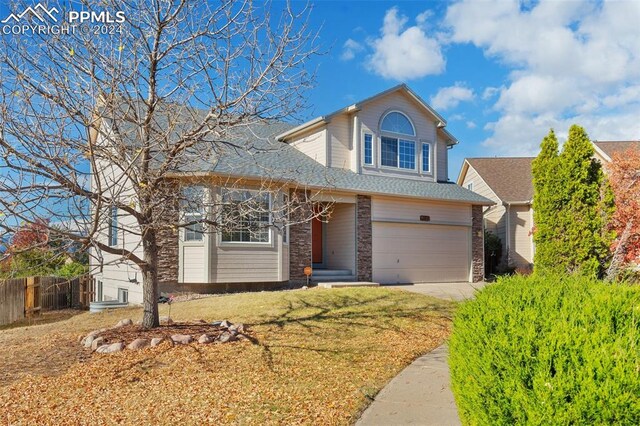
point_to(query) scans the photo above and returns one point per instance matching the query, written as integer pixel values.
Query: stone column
(167, 240)
(364, 239)
(299, 239)
(477, 244)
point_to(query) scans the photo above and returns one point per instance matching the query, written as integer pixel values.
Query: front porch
(337, 244)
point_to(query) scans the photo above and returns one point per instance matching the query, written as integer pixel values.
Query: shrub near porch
(554, 350)
(320, 356)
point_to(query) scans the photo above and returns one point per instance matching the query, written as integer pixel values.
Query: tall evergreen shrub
(572, 205)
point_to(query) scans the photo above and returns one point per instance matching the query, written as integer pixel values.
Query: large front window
(398, 153)
(397, 147)
(246, 216)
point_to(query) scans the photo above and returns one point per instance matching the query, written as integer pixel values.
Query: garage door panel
(404, 253)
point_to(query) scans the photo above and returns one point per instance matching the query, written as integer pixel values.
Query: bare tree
(96, 123)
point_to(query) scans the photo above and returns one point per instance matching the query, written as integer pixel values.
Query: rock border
(221, 332)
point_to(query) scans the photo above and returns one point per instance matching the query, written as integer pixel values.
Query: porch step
(332, 278)
(348, 284)
(331, 272)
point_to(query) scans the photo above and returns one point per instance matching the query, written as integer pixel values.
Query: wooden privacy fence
(29, 296)
(12, 298)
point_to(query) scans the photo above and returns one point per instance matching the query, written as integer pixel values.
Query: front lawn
(320, 356)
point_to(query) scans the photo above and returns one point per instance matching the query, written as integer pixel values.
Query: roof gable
(357, 106)
(510, 178)
(608, 148)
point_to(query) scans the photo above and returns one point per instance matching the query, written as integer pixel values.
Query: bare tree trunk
(150, 318)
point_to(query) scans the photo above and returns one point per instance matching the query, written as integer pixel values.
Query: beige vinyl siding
(495, 219)
(387, 208)
(521, 242)
(313, 144)
(339, 130)
(114, 272)
(443, 162)
(413, 253)
(244, 264)
(424, 125)
(340, 238)
(193, 264)
(284, 264)
(479, 185)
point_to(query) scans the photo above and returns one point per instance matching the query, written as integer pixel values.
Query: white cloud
(569, 62)
(405, 53)
(490, 92)
(471, 125)
(450, 97)
(349, 49)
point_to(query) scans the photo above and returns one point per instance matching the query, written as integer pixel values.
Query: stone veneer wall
(364, 239)
(477, 244)
(299, 239)
(167, 240)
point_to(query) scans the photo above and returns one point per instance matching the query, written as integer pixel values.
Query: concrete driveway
(448, 291)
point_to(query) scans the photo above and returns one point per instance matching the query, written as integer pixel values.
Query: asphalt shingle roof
(253, 151)
(613, 147)
(266, 158)
(509, 177)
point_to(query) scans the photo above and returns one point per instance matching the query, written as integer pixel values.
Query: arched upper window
(397, 122)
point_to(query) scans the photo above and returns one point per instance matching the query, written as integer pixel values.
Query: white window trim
(183, 230)
(285, 227)
(112, 232)
(470, 186)
(268, 243)
(391, 111)
(430, 168)
(373, 149)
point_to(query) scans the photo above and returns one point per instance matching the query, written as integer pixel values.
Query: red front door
(316, 240)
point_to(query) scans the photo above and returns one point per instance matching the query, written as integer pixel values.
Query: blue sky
(501, 72)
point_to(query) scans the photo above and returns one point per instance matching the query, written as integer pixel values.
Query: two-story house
(394, 218)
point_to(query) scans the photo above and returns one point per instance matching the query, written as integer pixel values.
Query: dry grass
(320, 356)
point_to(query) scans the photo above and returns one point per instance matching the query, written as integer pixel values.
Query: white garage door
(412, 253)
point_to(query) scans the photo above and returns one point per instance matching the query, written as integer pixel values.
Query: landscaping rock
(123, 323)
(88, 341)
(238, 328)
(216, 323)
(97, 342)
(205, 338)
(225, 324)
(156, 341)
(166, 320)
(138, 344)
(181, 339)
(109, 349)
(227, 337)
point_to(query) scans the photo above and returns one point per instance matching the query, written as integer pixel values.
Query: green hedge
(534, 350)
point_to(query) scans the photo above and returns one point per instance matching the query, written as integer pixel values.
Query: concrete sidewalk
(421, 393)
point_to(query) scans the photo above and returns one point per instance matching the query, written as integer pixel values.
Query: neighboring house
(381, 163)
(508, 182)
(605, 150)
